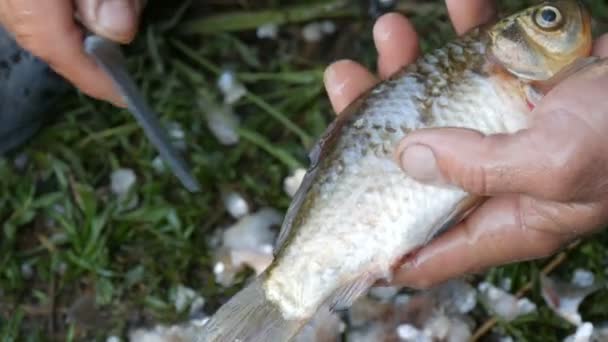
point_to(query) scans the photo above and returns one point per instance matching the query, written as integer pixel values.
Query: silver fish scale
(361, 213)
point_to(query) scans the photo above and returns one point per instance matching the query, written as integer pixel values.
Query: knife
(109, 57)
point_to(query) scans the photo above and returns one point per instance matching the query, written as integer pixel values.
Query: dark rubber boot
(28, 88)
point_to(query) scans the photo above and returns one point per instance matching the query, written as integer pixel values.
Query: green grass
(59, 217)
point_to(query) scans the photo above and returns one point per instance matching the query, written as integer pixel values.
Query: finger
(48, 31)
(345, 81)
(469, 14)
(117, 20)
(525, 161)
(397, 43)
(493, 235)
(600, 47)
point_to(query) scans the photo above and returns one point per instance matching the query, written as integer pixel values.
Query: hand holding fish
(547, 183)
(48, 29)
(357, 216)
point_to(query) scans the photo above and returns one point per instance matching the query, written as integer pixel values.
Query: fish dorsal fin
(316, 155)
(294, 207)
(345, 296)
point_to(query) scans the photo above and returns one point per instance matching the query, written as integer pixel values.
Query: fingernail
(117, 17)
(334, 85)
(419, 162)
(382, 32)
(119, 102)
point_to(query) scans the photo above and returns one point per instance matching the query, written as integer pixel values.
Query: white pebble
(232, 89)
(506, 284)
(267, 31)
(27, 272)
(459, 331)
(158, 164)
(564, 298)
(328, 27)
(312, 32)
(253, 231)
(503, 304)
(402, 299)
(407, 331)
(462, 296)
(183, 297)
(236, 205)
(292, 183)
(219, 268)
(583, 333)
(386, 3)
(184, 332)
(177, 135)
(142, 335)
(200, 322)
(257, 260)
(247, 243)
(438, 327)
(583, 278)
(176, 131)
(197, 304)
(525, 306)
(223, 124)
(122, 180)
(267, 249)
(384, 292)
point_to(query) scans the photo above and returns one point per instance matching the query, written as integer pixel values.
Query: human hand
(548, 184)
(48, 29)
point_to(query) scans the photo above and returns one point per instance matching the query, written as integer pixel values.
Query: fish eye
(548, 17)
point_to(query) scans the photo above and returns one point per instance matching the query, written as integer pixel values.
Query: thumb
(117, 20)
(534, 161)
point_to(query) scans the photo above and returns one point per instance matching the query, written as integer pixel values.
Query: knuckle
(564, 165)
(480, 176)
(29, 40)
(541, 230)
(565, 176)
(475, 179)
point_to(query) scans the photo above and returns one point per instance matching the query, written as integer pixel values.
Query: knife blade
(109, 57)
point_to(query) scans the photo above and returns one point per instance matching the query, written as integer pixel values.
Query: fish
(357, 214)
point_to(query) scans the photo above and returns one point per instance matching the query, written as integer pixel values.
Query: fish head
(537, 43)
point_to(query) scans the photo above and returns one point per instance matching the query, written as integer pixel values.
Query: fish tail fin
(249, 317)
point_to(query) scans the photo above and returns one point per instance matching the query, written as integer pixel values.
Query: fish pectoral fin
(345, 296)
